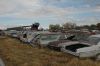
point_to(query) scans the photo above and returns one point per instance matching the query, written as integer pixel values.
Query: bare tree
(98, 26)
(69, 25)
(54, 28)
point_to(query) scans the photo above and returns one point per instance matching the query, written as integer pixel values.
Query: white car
(91, 51)
(72, 47)
(44, 38)
(83, 49)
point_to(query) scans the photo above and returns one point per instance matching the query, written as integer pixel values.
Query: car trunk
(74, 47)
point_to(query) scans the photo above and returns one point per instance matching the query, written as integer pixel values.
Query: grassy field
(15, 53)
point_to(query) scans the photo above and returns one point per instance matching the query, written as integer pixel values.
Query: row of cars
(81, 48)
(64, 42)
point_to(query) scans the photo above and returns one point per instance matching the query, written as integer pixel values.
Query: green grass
(15, 53)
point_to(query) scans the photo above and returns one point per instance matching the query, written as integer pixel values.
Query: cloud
(6, 7)
(48, 11)
(3, 27)
(29, 3)
(32, 8)
(45, 9)
(13, 6)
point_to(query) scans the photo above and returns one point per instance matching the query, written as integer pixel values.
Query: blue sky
(25, 12)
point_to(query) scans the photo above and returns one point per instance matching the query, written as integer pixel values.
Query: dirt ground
(15, 53)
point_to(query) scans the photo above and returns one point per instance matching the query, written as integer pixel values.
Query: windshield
(94, 39)
(49, 37)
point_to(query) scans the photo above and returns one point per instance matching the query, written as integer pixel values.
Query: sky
(25, 12)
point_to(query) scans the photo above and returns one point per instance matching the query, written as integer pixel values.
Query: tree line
(62, 27)
(69, 26)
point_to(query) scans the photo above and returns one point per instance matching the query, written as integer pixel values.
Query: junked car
(45, 39)
(72, 47)
(74, 36)
(56, 45)
(83, 49)
(13, 33)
